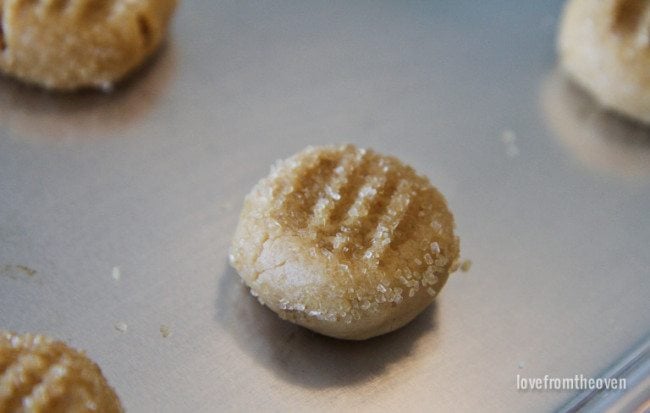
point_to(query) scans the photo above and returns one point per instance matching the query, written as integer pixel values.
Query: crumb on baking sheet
(26, 270)
(121, 326)
(509, 138)
(16, 272)
(117, 274)
(165, 331)
(466, 265)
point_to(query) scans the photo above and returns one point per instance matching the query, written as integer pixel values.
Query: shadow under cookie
(602, 140)
(303, 357)
(36, 115)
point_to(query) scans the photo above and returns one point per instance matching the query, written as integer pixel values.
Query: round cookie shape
(72, 44)
(344, 241)
(604, 45)
(39, 374)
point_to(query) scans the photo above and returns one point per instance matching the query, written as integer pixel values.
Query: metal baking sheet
(150, 179)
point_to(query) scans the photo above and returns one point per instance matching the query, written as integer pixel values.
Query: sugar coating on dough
(72, 44)
(345, 241)
(39, 374)
(605, 46)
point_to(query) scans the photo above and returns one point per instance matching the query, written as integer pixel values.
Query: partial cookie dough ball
(605, 46)
(39, 374)
(344, 241)
(73, 44)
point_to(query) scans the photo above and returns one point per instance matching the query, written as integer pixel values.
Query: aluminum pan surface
(151, 179)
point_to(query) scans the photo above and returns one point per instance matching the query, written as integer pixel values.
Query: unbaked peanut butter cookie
(73, 44)
(39, 374)
(345, 241)
(605, 47)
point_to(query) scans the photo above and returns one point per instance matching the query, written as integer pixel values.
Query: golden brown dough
(72, 44)
(39, 374)
(605, 46)
(345, 242)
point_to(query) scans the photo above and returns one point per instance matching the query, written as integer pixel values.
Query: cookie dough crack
(274, 267)
(267, 238)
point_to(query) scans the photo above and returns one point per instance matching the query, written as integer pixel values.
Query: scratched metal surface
(151, 178)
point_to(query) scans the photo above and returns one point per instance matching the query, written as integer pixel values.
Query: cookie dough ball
(38, 374)
(605, 46)
(344, 241)
(72, 44)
